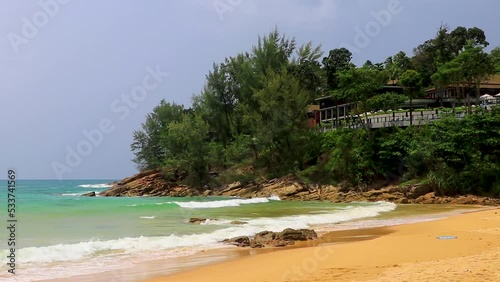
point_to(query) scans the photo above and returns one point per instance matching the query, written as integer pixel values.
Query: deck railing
(382, 120)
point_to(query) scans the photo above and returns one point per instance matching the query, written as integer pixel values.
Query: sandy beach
(412, 252)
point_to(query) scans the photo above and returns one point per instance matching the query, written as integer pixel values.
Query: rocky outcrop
(150, 183)
(266, 239)
(298, 235)
(290, 188)
(287, 188)
(154, 183)
(197, 220)
(89, 194)
(241, 241)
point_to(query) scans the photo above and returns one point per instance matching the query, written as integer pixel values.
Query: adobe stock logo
(40, 19)
(380, 19)
(121, 107)
(224, 6)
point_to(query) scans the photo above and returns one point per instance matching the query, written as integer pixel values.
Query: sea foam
(150, 245)
(103, 185)
(76, 194)
(224, 203)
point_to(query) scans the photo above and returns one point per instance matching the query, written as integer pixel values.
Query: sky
(78, 77)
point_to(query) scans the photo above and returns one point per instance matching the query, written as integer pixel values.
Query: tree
(397, 65)
(444, 47)
(187, 140)
(386, 101)
(412, 82)
(149, 145)
(447, 75)
(357, 85)
(338, 60)
(306, 68)
(272, 52)
(476, 67)
(217, 103)
(495, 58)
(282, 126)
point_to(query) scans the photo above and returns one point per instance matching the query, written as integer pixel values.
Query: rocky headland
(153, 183)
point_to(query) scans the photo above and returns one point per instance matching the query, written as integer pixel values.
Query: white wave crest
(76, 194)
(103, 185)
(141, 245)
(224, 203)
(148, 217)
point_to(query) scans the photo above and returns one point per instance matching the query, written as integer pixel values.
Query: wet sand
(409, 252)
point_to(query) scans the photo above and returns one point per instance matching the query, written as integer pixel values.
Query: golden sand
(400, 253)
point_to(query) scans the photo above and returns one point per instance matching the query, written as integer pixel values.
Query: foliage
(338, 60)
(444, 47)
(387, 101)
(397, 65)
(149, 145)
(250, 120)
(495, 59)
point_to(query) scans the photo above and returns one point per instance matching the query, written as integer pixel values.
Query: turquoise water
(59, 233)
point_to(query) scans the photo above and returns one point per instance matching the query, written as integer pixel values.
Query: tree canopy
(251, 118)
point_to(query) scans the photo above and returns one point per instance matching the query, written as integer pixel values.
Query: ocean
(60, 234)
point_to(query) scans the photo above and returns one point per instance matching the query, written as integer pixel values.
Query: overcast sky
(68, 66)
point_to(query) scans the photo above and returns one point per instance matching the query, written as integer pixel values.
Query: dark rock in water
(242, 241)
(237, 222)
(256, 245)
(290, 234)
(264, 238)
(197, 220)
(273, 239)
(89, 194)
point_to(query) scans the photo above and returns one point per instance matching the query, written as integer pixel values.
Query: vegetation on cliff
(250, 120)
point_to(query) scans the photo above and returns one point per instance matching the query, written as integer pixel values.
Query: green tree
(282, 127)
(338, 60)
(495, 58)
(358, 85)
(397, 65)
(148, 144)
(412, 82)
(449, 74)
(476, 67)
(386, 101)
(190, 150)
(307, 69)
(444, 47)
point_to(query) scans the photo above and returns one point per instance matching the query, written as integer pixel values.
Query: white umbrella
(486, 97)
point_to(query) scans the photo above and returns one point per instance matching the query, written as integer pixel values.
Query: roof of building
(493, 82)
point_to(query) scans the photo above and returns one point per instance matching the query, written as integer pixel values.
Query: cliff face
(153, 183)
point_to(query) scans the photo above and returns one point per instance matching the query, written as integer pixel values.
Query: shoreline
(336, 255)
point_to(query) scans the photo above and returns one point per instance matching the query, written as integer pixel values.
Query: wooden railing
(384, 120)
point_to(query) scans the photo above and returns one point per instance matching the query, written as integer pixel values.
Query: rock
(237, 222)
(234, 185)
(273, 239)
(242, 241)
(290, 234)
(152, 183)
(197, 220)
(89, 194)
(264, 237)
(404, 201)
(256, 245)
(415, 191)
